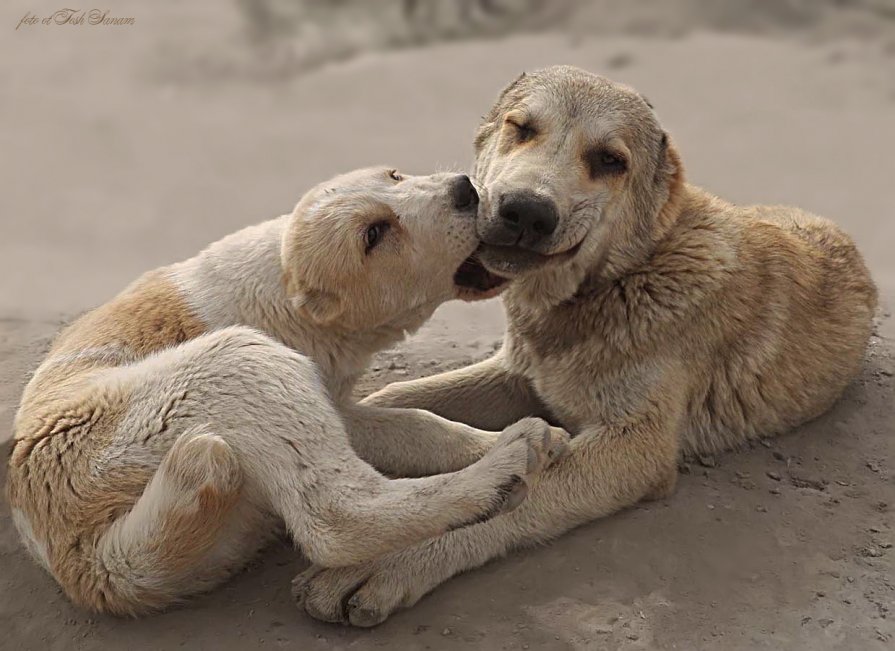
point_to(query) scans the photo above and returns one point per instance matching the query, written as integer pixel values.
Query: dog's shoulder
(696, 253)
(151, 314)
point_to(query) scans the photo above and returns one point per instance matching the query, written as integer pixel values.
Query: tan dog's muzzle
(524, 219)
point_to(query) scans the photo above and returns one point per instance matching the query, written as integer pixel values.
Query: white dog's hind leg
(152, 555)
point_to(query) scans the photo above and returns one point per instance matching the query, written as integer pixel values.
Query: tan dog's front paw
(361, 595)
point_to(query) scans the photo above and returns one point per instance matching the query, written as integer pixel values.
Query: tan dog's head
(577, 168)
(375, 247)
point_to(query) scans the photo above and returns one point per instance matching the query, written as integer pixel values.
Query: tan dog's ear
(670, 173)
(489, 122)
(319, 305)
(668, 167)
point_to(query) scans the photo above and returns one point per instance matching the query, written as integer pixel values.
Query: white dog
(169, 432)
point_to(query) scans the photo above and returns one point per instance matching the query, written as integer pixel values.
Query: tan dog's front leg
(485, 395)
(606, 470)
(413, 443)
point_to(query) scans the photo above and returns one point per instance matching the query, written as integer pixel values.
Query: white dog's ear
(319, 305)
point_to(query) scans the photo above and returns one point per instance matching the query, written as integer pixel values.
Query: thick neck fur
(239, 281)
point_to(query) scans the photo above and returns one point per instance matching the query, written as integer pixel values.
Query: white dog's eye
(374, 234)
(394, 176)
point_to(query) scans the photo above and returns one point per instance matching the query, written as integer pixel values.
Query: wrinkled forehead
(346, 194)
(594, 106)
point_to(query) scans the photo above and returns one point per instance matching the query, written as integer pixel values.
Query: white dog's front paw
(543, 443)
(360, 595)
(523, 451)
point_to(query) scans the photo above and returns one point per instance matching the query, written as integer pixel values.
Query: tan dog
(170, 432)
(648, 317)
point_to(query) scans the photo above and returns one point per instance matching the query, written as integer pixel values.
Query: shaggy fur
(655, 319)
(171, 432)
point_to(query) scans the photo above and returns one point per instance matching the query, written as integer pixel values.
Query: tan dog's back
(795, 319)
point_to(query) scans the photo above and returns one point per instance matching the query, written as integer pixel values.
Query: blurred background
(129, 146)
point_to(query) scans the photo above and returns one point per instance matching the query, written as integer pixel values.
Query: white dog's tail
(151, 557)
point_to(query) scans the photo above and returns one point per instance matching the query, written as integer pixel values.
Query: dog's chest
(567, 375)
(585, 358)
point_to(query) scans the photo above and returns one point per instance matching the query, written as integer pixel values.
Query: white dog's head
(375, 247)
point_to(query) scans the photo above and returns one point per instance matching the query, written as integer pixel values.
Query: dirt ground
(122, 152)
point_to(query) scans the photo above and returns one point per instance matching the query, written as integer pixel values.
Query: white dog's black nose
(528, 214)
(463, 193)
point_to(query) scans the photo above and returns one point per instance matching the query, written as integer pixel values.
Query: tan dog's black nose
(463, 193)
(529, 216)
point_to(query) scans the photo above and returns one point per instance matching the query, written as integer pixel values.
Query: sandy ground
(119, 156)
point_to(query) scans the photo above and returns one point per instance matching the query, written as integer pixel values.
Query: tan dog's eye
(524, 132)
(610, 159)
(394, 176)
(601, 162)
(374, 234)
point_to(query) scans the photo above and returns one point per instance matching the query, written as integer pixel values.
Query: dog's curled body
(64, 484)
(171, 432)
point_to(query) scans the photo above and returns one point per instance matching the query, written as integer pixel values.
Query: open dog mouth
(475, 282)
